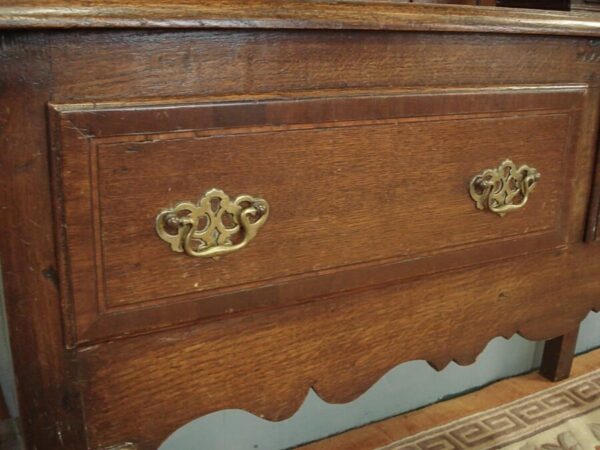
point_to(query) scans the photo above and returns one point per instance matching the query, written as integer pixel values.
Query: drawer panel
(363, 188)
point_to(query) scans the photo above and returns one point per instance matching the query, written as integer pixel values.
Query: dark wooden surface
(594, 206)
(48, 397)
(140, 388)
(558, 356)
(561, 5)
(339, 346)
(293, 14)
(367, 220)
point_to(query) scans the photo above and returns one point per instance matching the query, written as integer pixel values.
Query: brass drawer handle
(504, 189)
(213, 226)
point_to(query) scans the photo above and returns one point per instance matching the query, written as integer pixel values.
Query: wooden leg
(558, 356)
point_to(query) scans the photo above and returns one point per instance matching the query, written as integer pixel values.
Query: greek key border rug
(564, 417)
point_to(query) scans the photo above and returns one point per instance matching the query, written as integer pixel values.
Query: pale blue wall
(404, 388)
(7, 380)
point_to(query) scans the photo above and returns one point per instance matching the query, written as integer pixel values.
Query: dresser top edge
(293, 15)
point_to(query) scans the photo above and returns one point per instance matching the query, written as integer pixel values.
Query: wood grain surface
(387, 171)
(339, 346)
(139, 389)
(48, 400)
(558, 356)
(318, 14)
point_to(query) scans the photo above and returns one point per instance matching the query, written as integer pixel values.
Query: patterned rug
(564, 417)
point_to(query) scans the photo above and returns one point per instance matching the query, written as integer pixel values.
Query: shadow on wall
(7, 378)
(406, 387)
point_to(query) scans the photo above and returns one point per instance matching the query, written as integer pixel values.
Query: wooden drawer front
(364, 188)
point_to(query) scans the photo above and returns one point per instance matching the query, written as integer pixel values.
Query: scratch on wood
(123, 446)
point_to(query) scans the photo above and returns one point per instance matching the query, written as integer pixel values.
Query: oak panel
(49, 406)
(158, 66)
(387, 172)
(265, 363)
(128, 67)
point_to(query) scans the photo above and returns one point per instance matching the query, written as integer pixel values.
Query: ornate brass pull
(213, 226)
(504, 189)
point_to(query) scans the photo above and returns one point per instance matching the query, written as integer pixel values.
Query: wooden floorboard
(382, 433)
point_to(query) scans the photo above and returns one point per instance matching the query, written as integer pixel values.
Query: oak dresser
(210, 205)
